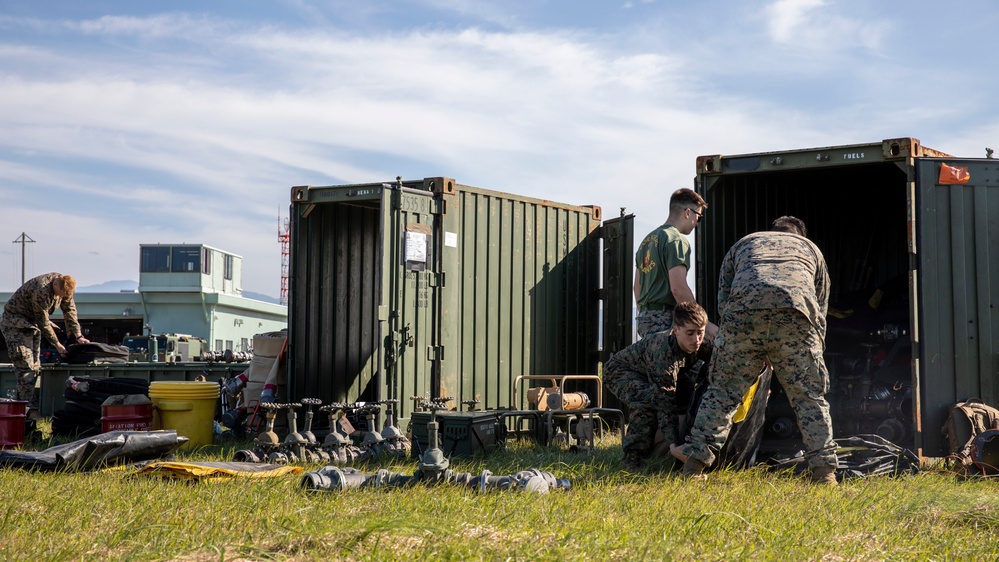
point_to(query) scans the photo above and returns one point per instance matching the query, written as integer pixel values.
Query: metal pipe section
(336, 479)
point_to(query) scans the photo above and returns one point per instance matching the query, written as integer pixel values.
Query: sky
(134, 122)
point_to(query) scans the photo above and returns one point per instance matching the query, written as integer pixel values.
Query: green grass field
(606, 515)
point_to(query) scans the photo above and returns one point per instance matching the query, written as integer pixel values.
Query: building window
(228, 268)
(218, 345)
(155, 258)
(228, 344)
(185, 258)
(206, 261)
(244, 345)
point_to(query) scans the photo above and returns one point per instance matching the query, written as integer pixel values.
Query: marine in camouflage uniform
(26, 320)
(773, 297)
(646, 376)
(652, 321)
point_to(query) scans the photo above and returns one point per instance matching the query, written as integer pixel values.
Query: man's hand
(81, 339)
(711, 331)
(61, 349)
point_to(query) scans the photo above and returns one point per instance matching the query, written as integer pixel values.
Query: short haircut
(689, 312)
(787, 223)
(683, 198)
(68, 284)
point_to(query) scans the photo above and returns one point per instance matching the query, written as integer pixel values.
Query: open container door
(957, 287)
(618, 321)
(617, 314)
(362, 257)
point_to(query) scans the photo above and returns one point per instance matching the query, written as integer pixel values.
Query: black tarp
(739, 450)
(92, 352)
(113, 447)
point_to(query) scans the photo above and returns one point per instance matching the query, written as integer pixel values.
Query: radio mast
(283, 238)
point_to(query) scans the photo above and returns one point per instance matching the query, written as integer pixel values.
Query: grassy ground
(606, 515)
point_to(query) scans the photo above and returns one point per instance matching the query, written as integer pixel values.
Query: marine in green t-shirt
(662, 262)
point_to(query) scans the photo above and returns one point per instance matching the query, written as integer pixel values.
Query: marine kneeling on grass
(650, 374)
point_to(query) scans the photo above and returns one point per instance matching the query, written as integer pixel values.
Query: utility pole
(23, 241)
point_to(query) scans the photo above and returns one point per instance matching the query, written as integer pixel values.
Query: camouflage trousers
(652, 321)
(795, 349)
(23, 347)
(649, 408)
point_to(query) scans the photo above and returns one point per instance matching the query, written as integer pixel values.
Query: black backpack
(967, 421)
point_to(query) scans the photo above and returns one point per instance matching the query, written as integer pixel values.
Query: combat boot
(693, 469)
(633, 462)
(31, 430)
(824, 475)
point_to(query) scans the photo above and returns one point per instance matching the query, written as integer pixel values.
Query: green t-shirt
(663, 249)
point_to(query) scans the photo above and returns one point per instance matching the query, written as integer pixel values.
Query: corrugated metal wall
(958, 254)
(522, 286)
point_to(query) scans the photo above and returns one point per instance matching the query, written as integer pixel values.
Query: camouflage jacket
(767, 270)
(656, 356)
(30, 306)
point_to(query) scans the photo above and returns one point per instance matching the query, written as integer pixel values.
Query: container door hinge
(438, 207)
(435, 353)
(436, 279)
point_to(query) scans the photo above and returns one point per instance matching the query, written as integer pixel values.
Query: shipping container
(911, 238)
(433, 288)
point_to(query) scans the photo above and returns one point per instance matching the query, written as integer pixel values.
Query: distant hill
(119, 286)
(110, 287)
(260, 297)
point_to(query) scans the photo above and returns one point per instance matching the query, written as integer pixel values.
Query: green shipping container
(433, 288)
(914, 262)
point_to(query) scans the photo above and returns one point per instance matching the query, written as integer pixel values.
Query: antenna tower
(283, 238)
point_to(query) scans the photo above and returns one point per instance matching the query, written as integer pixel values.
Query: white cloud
(787, 17)
(193, 129)
(817, 25)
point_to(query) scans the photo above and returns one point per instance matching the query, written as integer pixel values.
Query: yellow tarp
(215, 471)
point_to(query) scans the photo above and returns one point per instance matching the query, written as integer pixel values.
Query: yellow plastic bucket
(187, 407)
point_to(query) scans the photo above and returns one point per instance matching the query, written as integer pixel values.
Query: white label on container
(451, 239)
(416, 247)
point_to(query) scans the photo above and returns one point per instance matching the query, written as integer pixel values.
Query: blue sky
(130, 122)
